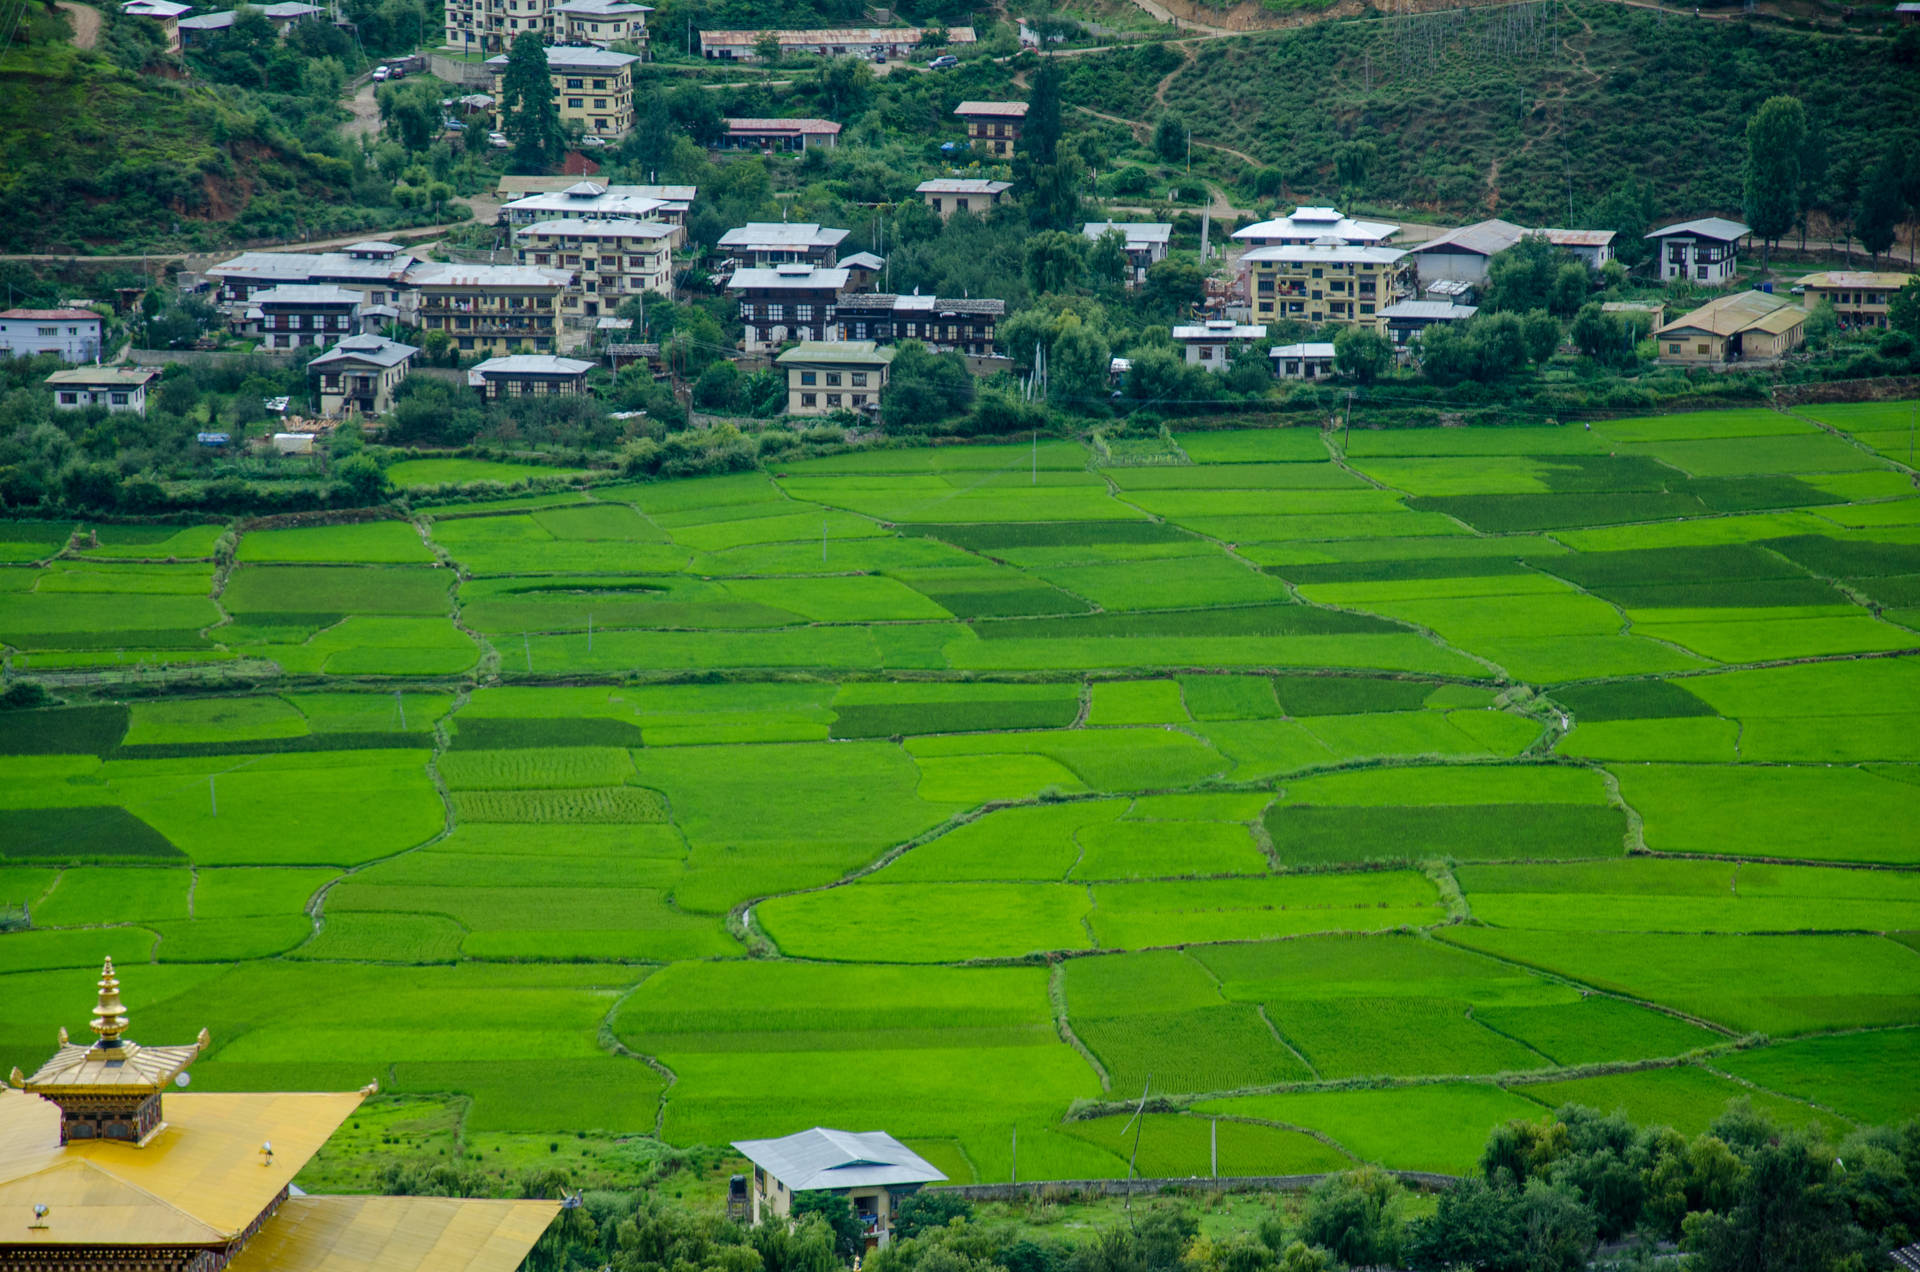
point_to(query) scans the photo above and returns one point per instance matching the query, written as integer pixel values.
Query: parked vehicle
(945, 62)
(499, 141)
(397, 71)
(593, 141)
(381, 74)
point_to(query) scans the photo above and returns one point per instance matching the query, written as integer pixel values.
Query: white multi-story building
(74, 334)
(612, 259)
(591, 201)
(602, 22)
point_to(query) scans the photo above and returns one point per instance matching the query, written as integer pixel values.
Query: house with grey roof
(298, 315)
(1311, 225)
(760, 244)
(118, 388)
(787, 302)
(1406, 319)
(360, 375)
(1209, 345)
(1146, 242)
(947, 195)
(1309, 361)
(529, 375)
(1702, 251)
(872, 1169)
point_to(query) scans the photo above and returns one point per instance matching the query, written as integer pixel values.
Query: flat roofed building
(602, 22)
(1312, 361)
(613, 259)
(845, 375)
(1309, 225)
(942, 323)
(892, 42)
(787, 302)
(1210, 344)
(529, 375)
(1147, 242)
(1746, 326)
(1346, 284)
(769, 135)
(1859, 297)
(1408, 318)
(106, 1168)
(116, 388)
(592, 86)
(1703, 251)
(298, 315)
(74, 334)
(759, 244)
(993, 127)
(492, 309)
(947, 195)
(359, 375)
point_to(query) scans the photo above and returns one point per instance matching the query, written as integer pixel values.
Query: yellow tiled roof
(202, 1172)
(396, 1234)
(78, 1067)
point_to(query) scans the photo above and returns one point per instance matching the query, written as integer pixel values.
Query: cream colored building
(360, 375)
(1860, 298)
(602, 22)
(593, 86)
(1325, 283)
(947, 195)
(871, 1169)
(612, 260)
(1746, 326)
(846, 375)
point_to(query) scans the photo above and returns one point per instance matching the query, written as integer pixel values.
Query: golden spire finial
(109, 1014)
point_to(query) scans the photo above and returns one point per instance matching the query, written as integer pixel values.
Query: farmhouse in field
(116, 388)
(871, 1169)
(101, 1166)
(1703, 251)
(1746, 326)
(787, 302)
(1311, 361)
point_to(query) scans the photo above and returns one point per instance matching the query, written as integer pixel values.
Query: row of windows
(54, 331)
(1839, 298)
(777, 312)
(858, 378)
(73, 399)
(578, 82)
(833, 399)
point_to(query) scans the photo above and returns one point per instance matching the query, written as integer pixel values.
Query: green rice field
(1347, 796)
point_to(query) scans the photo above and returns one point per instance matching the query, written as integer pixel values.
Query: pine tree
(1776, 140)
(1040, 131)
(529, 111)
(1880, 205)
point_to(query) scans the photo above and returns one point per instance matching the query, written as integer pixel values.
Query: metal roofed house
(674, 199)
(74, 334)
(375, 269)
(787, 302)
(602, 22)
(1859, 297)
(780, 134)
(1463, 253)
(760, 244)
(296, 315)
(359, 375)
(1321, 282)
(961, 324)
(529, 375)
(165, 12)
(993, 126)
(117, 388)
(1593, 247)
(1312, 361)
(1750, 326)
(616, 259)
(202, 27)
(871, 1169)
(587, 199)
(103, 1166)
(861, 268)
(1702, 251)
(1146, 243)
(1308, 225)
(894, 42)
(947, 195)
(592, 86)
(1408, 318)
(1208, 344)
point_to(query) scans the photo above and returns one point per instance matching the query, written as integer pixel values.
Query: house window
(808, 377)
(1701, 347)
(69, 399)
(599, 103)
(859, 379)
(49, 331)
(119, 399)
(859, 399)
(575, 103)
(576, 83)
(833, 399)
(776, 311)
(1206, 353)
(803, 313)
(833, 377)
(808, 399)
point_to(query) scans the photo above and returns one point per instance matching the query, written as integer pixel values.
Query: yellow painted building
(1746, 326)
(102, 1168)
(493, 309)
(592, 86)
(1859, 297)
(1325, 283)
(993, 126)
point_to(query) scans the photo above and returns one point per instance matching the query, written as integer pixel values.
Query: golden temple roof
(202, 1174)
(396, 1234)
(112, 1061)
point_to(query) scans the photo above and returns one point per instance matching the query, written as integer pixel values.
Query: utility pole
(213, 797)
(526, 647)
(1214, 1129)
(1014, 1170)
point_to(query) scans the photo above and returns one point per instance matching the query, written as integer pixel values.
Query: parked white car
(381, 74)
(499, 141)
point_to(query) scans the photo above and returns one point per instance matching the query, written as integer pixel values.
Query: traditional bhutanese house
(1147, 242)
(993, 127)
(862, 268)
(1859, 297)
(1310, 225)
(947, 195)
(759, 244)
(768, 135)
(1594, 248)
(360, 374)
(942, 323)
(529, 375)
(299, 315)
(375, 269)
(1747, 326)
(1209, 344)
(872, 1169)
(1703, 251)
(103, 1170)
(117, 388)
(1312, 361)
(1408, 318)
(787, 302)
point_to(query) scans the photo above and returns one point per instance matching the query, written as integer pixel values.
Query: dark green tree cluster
(1487, 348)
(529, 110)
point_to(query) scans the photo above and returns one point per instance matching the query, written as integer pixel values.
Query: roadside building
(868, 42)
(1318, 283)
(993, 127)
(942, 323)
(376, 270)
(947, 195)
(592, 86)
(117, 388)
(1210, 344)
(874, 1171)
(492, 309)
(1312, 225)
(1703, 251)
(1313, 361)
(602, 22)
(1147, 242)
(1747, 326)
(529, 375)
(771, 135)
(360, 375)
(302, 315)
(762, 244)
(164, 13)
(787, 302)
(75, 334)
(1406, 319)
(612, 259)
(1461, 254)
(107, 1165)
(845, 375)
(1859, 297)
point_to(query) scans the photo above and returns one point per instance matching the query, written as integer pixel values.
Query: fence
(1191, 1184)
(473, 75)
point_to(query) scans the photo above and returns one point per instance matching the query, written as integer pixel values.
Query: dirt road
(86, 23)
(366, 113)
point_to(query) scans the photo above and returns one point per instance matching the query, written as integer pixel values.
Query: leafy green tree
(1880, 204)
(1787, 1217)
(1603, 336)
(1078, 362)
(766, 46)
(1056, 261)
(1358, 1217)
(924, 387)
(1040, 130)
(834, 1212)
(1556, 1229)
(360, 478)
(1353, 162)
(717, 386)
(1474, 1226)
(921, 1211)
(1170, 138)
(1175, 285)
(1107, 261)
(529, 110)
(1532, 274)
(843, 86)
(1903, 311)
(1541, 332)
(1776, 138)
(1362, 354)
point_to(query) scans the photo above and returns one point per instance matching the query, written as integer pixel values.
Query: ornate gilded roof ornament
(109, 1014)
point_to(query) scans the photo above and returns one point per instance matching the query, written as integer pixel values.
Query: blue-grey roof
(820, 1158)
(376, 350)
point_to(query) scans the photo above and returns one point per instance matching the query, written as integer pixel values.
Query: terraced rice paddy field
(1359, 794)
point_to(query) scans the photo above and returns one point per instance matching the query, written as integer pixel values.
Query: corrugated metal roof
(1302, 253)
(600, 227)
(375, 349)
(1578, 238)
(1433, 310)
(396, 1234)
(527, 364)
(51, 315)
(112, 377)
(785, 127)
(436, 274)
(1482, 238)
(993, 110)
(821, 1158)
(561, 57)
(1741, 311)
(1832, 278)
(1219, 330)
(796, 280)
(305, 294)
(772, 235)
(833, 35)
(1718, 228)
(1136, 231)
(1313, 349)
(962, 185)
